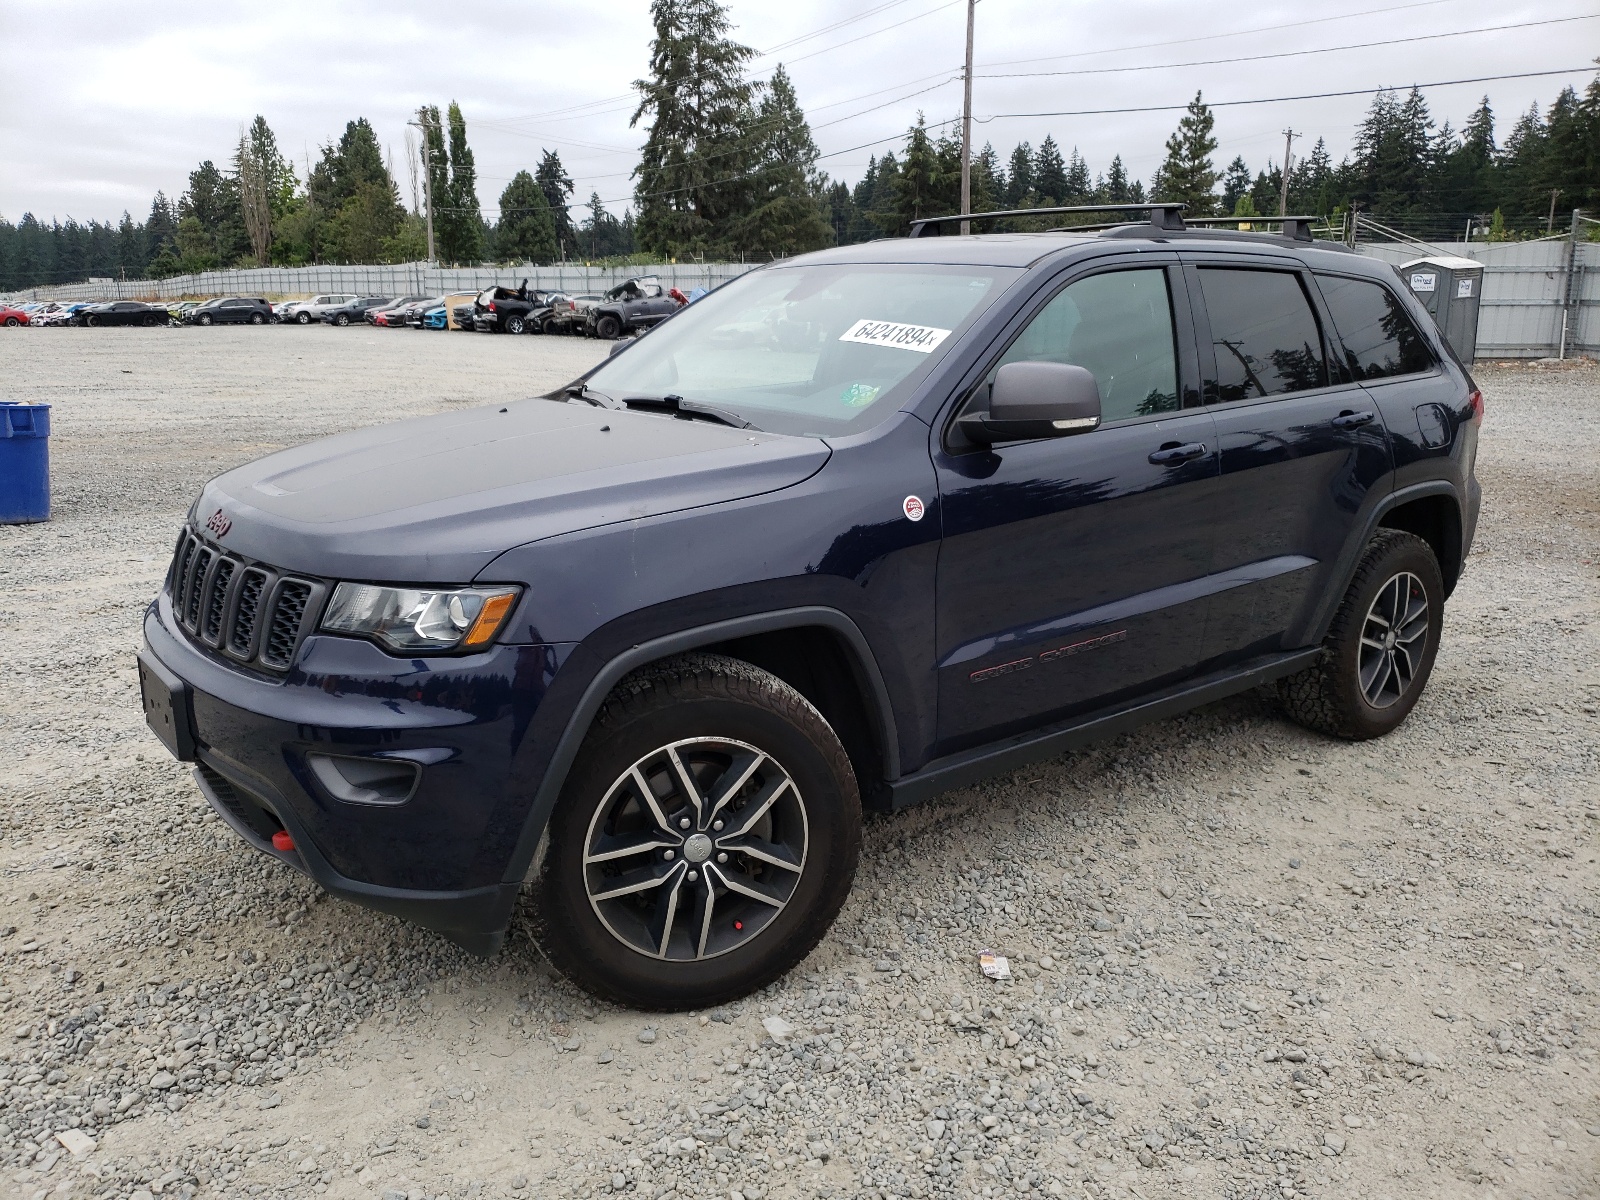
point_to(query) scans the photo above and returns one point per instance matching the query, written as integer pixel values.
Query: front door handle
(1353, 420)
(1173, 452)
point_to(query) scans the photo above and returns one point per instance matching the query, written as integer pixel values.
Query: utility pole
(427, 178)
(966, 122)
(1289, 136)
(1550, 225)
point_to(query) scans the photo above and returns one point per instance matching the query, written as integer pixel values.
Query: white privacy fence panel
(401, 279)
(1524, 294)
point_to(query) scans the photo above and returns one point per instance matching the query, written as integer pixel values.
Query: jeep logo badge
(913, 508)
(219, 524)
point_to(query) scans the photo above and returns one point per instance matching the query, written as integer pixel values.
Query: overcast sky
(107, 102)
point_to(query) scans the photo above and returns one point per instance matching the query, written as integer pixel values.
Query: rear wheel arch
(794, 628)
(1436, 519)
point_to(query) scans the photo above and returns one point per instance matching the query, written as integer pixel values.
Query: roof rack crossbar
(1296, 228)
(1164, 214)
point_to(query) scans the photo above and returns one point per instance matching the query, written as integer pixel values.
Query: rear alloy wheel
(303, 317)
(257, 319)
(608, 327)
(704, 841)
(515, 324)
(12, 322)
(1380, 649)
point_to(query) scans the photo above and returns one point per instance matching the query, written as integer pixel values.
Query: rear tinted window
(1263, 332)
(1377, 336)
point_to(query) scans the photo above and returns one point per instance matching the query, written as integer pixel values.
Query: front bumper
(438, 859)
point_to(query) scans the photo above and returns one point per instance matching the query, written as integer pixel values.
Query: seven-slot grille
(250, 612)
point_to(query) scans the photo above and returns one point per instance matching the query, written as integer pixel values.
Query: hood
(435, 499)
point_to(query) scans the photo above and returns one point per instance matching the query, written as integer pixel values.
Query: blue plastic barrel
(24, 462)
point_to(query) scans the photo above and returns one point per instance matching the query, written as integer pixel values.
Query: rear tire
(1381, 646)
(257, 319)
(550, 328)
(12, 322)
(515, 324)
(792, 799)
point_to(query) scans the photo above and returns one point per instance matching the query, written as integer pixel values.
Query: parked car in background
(509, 310)
(631, 306)
(303, 312)
(437, 317)
(11, 318)
(399, 313)
(572, 314)
(464, 315)
(122, 312)
(59, 314)
(353, 312)
(179, 309)
(230, 310)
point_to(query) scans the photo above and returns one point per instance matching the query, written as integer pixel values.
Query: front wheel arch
(864, 664)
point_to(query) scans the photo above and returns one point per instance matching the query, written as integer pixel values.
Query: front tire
(303, 318)
(705, 840)
(608, 327)
(1381, 646)
(205, 319)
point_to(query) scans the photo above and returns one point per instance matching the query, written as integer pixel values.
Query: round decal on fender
(913, 507)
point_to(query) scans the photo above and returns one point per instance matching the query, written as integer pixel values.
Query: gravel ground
(1249, 961)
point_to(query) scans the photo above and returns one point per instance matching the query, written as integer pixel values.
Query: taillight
(1477, 404)
(492, 308)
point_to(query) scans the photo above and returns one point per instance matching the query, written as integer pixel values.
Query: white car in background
(304, 312)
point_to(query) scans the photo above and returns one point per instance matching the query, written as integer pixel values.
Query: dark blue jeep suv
(856, 528)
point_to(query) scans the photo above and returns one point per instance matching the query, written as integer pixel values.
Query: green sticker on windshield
(859, 395)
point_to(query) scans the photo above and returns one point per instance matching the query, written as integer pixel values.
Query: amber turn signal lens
(491, 616)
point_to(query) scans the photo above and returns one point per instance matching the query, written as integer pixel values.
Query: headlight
(414, 619)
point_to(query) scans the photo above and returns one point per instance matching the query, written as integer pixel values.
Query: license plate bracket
(168, 707)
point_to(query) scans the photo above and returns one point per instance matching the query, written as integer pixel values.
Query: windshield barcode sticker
(921, 338)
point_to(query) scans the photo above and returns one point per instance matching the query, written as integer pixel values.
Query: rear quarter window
(1376, 336)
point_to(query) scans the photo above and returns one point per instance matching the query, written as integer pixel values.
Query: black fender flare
(1316, 627)
(680, 642)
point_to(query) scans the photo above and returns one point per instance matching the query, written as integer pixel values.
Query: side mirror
(1036, 400)
(618, 346)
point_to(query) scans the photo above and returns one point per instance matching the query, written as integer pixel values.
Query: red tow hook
(281, 841)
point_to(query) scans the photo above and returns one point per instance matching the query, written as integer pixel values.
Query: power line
(1211, 37)
(1101, 112)
(1214, 62)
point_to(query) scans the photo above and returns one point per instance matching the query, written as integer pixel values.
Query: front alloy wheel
(705, 839)
(695, 848)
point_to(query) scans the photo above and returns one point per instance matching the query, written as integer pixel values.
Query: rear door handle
(1173, 452)
(1353, 420)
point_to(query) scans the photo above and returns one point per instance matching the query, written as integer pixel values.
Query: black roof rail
(1296, 228)
(1164, 214)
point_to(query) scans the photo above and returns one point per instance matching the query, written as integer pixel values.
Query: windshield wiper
(582, 391)
(689, 409)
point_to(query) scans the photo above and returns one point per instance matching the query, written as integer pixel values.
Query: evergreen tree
(1311, 182)
(266, 186)
(918, 183)
(217, 235)
(988, 181)
(1117, 190)
(1079, 187)
(556, 184)
(882, 210)
(785, 216)
(1049, 173)
(1235, 183)
(691, 185)
(355, 210)
(435, 161)
(459, 225)
(1187, 173)
(527, 229)
(602, 235)
(1019, 179)
(160, 227)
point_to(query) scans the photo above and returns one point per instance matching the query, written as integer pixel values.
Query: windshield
(818, 350)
